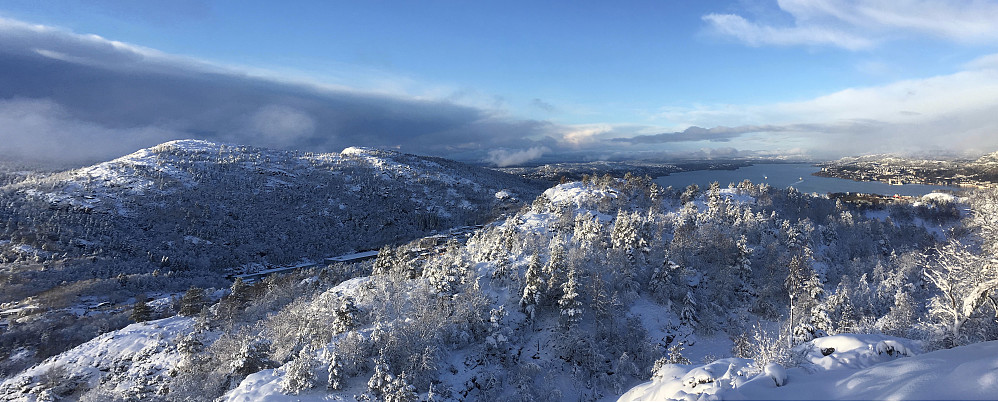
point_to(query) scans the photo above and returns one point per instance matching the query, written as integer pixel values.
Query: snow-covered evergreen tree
(744, 288)
(299, 374)
(675, 354)
(533, 287)
(688, 319)
(400, 390)
(804, 289)
(346, 315)
(334, 369)
(253, 356)
(570, 301)
(556, 268)
(140, 310)
(193, 302)
(240, 292)
(665, 280)
(381, 379)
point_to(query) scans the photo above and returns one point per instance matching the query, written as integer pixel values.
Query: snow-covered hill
(190, 196)
(193, 204)
(132, 363)
(183, 213)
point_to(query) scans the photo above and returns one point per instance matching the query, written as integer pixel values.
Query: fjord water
(796, 175)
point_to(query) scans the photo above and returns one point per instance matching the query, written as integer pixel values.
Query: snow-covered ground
(862, 367)
(132, 359)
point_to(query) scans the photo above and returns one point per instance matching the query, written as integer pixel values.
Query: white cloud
(44, 131)
(756, 35)
(861, 24)
(988, 62)
(506, 157)
(582, 135)
(952, 112)
(281, 126)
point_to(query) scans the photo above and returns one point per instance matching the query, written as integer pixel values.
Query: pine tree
(589, 232)
(193, 302)
(664, 279)
(900, 319)
(190, 347)
(798, 285)
(570, 303)
(345, 317)
(556, 267)
(240, 293)
(675, 355)
(252, 357)
(381, 379)
(742, 346)
(715, 203)
(688, 316)
(743, 272)
(401, 390)
(625, 233)
(141, 311)
(335, 369)
(496, 338)
(299, 375)
(532, 288)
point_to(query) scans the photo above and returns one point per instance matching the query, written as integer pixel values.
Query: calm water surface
(796, 175)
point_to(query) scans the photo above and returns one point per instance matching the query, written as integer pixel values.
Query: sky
(502, 83)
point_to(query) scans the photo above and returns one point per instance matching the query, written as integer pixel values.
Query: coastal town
(975, 173)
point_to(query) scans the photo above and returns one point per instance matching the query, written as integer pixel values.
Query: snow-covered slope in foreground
(133, 360)
(962, 373)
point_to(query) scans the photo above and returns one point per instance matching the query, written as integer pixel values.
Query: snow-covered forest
(595, 287)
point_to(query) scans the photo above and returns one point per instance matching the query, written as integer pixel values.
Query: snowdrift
(862, 367)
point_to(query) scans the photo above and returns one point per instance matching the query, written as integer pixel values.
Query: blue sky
(517, 81)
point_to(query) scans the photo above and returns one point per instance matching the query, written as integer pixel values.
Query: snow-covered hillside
(599, 286)
(227, 194)
(183, 213)
(132, 363)
(862, 367)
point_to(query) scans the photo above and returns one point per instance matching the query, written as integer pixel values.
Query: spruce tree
(743, 272)
(381, 379)
(346, 315)
(141, 311)
(240, 293)
(299, 375)
(570, 302)
(556, 267)
(193, 302)
(532, 287)
(336, 374)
